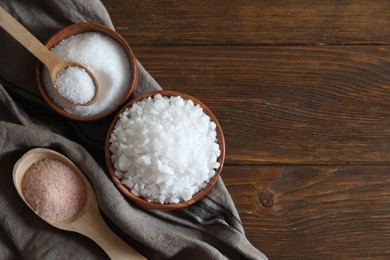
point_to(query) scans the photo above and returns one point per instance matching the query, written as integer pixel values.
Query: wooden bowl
(74, 29)
(153, 205)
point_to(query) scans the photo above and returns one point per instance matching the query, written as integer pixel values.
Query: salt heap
(164, 149)
(107, 61)
(75, 84)
(53, 190)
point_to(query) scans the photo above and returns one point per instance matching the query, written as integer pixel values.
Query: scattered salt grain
(107, 61)
(53, 190)
(164, 149)
(75, 84)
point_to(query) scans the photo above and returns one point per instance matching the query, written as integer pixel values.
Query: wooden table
(302, 91)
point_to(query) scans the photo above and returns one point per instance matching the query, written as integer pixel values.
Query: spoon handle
(93, 226)
(24, 37)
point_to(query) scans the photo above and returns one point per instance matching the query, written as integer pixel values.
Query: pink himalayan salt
(53, 190)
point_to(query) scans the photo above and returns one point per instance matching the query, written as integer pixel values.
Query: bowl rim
(82, 28)
(153, 205)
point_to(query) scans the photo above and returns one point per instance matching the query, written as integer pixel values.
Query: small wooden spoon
(88, 221)
(53, 63)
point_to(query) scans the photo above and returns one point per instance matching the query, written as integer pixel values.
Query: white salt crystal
(123, 162)
(75, 84)
(144, 160)
(165, 148)
(107, 61)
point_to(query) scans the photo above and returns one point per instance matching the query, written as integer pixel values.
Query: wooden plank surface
(301, 105)
(251, 22)
(302, 91)
(314, 212)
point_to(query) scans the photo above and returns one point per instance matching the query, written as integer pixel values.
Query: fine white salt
(164, 149)
(75, 84)
(107, 61)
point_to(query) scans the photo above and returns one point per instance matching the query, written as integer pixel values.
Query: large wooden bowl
(74, 29)
(153, 205)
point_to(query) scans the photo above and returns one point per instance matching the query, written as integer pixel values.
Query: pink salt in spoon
(88, 220)
(55, 65)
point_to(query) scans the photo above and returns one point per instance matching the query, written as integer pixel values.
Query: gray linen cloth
(209, 229)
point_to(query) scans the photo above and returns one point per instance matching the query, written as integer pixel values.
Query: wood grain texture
(251, 22)
(281, 105)
(314, 212)
(302, 92)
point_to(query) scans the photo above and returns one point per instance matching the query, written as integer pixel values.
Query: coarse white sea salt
(107, 61)
(164, 149)
(75, 84)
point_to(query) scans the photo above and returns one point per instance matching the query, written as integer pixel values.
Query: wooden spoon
(88, 221)
(53, 63)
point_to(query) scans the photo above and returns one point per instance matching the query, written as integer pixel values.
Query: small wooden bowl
(74, 29)
(153, 205)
